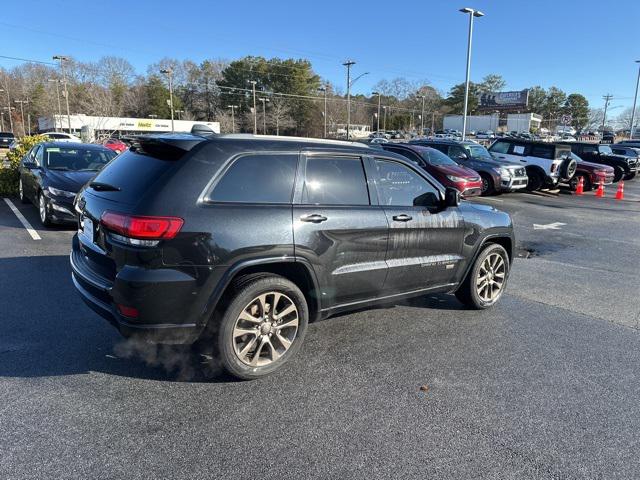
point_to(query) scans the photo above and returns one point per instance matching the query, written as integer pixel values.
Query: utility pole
(606, 98)
(378, 116)
(63, 59)
(255, 110)
(233, 117)
(2, 120)
(348, 64)
(324, 90)
(9, 107)
(635, 99)
(55, 124)
(169, 73)
(264, 101)
(22, 102)
(433, 123)
(384, 124)
(423, 97)
(472, 13)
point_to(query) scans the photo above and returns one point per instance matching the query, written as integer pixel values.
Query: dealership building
(108, 126)
(515, 122)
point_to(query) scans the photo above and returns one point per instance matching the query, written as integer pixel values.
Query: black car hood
(68, 180)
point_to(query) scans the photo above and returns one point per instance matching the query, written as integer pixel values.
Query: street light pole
(606, 98)
(169, 73)
(324, 90)
(379, 98)
(422, 115)
(233, 117)
(63, 59)
(59, 105)
(472, 13)
(635, 99)
(264, 101)
(179, 113)
(255, 109)
(384, 124)
(348, 64)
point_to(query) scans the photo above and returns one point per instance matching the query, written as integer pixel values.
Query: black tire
(630, 176)
(619, 174)
(245, 291)
(21, 195)
(44, 215)
(468, 294)
(487, 185)
(586, 183)
(536, 181)
(568, 168)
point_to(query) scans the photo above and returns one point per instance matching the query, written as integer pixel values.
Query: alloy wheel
(491, 277)
(265, 329)
(42, 207)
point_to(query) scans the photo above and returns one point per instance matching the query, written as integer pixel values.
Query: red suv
(441, 167)
(116, 145)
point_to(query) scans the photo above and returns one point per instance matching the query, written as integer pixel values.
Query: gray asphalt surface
(545, 385)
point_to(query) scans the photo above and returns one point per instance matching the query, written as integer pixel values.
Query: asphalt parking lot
(545, 385)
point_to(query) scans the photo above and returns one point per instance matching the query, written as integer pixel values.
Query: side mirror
(451, 197)
(29, 163)
(428, 200)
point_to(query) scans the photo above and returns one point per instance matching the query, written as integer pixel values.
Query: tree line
(289, 96)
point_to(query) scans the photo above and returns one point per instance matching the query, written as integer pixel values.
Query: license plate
(87, 228)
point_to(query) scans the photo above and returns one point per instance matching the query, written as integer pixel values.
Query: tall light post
(62, 59)
(169, 73)
(255, 110)
(423, 97)
(152, 116)
(179, 113)
(22, 102)
(607, 98)
(323, 89)
(233, 117)
(264, 101)
(57, 82)
(384, 123)
(472, 13)
(379, 100)
(635, 99)
(348, 64)
(9, 107)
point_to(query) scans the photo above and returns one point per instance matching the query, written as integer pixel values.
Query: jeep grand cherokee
(242, 240)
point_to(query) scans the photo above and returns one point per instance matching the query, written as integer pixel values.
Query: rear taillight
(138, 230)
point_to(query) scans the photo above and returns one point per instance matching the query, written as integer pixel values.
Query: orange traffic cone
(620, 192)
(580, 187)
(600, 190)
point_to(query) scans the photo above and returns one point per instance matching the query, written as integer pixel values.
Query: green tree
(577, 106)
(455, 99)
(537, 99)
(554, 103)
(157, 96)
(492, 83)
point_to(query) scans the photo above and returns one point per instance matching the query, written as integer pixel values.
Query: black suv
(241, 240)
(624, 167)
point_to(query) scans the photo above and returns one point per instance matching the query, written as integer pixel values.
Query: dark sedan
(6, 139)
(52, 173)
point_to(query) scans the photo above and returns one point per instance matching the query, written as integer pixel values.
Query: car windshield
(478, 152)
(6, 135)
(435, 157)
(606, 149)
(76, 159)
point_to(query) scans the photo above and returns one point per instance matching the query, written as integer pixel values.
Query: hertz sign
(145, 124)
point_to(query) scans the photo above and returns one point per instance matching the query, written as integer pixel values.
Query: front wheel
(487, 279)
(262, 327)
(535, 181)
(586, 183)
(487, 185)
(618, 175)
(43, 210)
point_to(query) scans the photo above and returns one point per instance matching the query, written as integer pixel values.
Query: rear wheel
(586, 183)
(43, 210)
(262, 327)
(619, 173)
(487, 185)
(487, 279)
(535, 181)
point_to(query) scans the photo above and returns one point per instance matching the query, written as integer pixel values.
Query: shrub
(9, 175)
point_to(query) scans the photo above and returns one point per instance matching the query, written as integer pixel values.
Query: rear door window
(518, 149)
(500, 147)
(257, 179)
(407, 154)
(335, 181)
(457, 153)
(542, 151)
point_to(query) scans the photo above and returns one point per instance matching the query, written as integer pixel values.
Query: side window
(589, 149)
(408, 154)
(335, 181)
(518, 149)
(457, 153)
(542, 151)
(38, 155)
(257, 179)
(400, 186)
(500, 147)
(443, 148)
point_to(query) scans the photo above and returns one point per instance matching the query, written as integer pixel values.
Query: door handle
(402, 218)
(523, 161)
(313, 218)
(501, 156)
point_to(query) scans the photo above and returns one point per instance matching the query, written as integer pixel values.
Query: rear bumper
(99, 293)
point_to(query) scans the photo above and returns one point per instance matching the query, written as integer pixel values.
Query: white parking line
(24, 221)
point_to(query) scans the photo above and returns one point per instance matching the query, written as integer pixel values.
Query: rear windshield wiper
(103, 187)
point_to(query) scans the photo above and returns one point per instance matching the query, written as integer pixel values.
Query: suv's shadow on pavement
(46, 330)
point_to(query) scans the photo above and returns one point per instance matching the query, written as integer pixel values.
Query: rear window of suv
(257, 179)
(335, 181)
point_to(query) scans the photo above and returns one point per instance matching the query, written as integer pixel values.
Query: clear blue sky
(580, 46)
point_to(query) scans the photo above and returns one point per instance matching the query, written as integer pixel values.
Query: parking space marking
(24, 221)
(548, 226)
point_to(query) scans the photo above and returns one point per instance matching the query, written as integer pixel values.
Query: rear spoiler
(164, 146)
